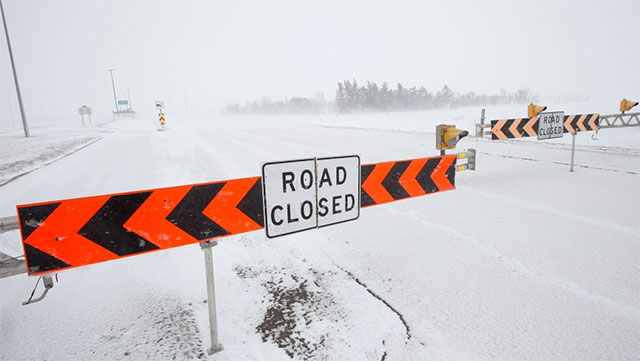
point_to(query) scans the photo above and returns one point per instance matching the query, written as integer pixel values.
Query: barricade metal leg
(573, 149)
(211, 296)
(48, 284)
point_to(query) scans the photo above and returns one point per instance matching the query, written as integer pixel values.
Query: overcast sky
(205, 54)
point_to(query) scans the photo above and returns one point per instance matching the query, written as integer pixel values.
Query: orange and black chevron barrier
(77, 232)
(528, 127)
(392, 181)
(83, 231)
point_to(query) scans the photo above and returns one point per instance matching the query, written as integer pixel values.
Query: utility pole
(15, 75)
(113, 85)
(129, 98)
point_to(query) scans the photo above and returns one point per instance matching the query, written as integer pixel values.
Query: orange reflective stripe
(58, 234)
(528, 128)
(408, 178)
(150, 222)
(497, 129)
(592, 122)
(373, 184)
(567, 124)
(223, 211)
(439, 175)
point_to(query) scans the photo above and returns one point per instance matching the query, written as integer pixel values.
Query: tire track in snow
(612, 226)
(558, 281)
(532, 142)
(238, 135)
(233, 167)
(560, 163)
(221, 149)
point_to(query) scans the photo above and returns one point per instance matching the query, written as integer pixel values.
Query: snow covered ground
(523, 261)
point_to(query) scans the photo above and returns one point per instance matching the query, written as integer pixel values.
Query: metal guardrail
(481, 127)
(622, 120)
(10, 266)
(9, 224)
(470, 156)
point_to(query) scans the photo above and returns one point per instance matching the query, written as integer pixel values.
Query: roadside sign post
(573, 149)
(551, 125)
(211, 296)
(160, 109)
(85, 110)
(123, 102)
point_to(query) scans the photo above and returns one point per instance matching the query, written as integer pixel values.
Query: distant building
(299, 103)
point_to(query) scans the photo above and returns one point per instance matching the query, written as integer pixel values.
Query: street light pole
(15, 75)
(113, 85)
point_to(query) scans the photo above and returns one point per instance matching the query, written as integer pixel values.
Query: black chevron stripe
(390, 181)
(536, 125)
(32, 217)
(586, 121)
(521, 125)
(579, 122)
(365, 198)
(424, 176)
(39, 261)
(187, 215)
(106, 226)
(451, 172)
(574, 123)
(505, 128)
(251, 204)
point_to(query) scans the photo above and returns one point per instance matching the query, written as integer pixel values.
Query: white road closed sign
(310, 193)
(551, 125)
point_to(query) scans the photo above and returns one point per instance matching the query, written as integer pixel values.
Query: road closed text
(310, 193)
(551, 125)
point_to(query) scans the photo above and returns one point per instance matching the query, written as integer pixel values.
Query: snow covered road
(524, 260)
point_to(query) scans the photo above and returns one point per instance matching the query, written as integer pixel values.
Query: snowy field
(523, 261)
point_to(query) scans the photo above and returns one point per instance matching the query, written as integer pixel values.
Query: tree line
(296, 105)
(371, 97)
(352, 97)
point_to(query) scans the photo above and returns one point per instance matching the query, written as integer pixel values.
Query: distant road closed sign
(310, 193)
(551, 125)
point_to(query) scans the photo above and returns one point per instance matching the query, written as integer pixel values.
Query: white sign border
(264, 195)
(561, 124)
(359, 188)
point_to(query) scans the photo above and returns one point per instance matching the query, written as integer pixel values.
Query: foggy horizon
(200, 56)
